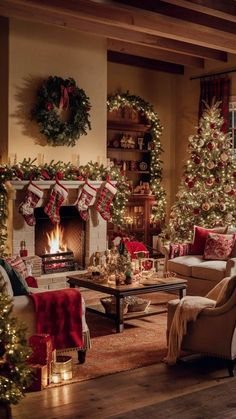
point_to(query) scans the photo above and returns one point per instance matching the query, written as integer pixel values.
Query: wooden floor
(143, 388)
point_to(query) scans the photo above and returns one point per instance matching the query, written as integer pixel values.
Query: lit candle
(56, 378)
(67, 375)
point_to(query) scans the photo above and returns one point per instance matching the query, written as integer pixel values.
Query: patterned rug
(142, 343)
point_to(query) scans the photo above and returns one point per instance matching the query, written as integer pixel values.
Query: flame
(55, 241)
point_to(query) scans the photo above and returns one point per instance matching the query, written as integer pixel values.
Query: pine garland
(27, 170)
(121, 101)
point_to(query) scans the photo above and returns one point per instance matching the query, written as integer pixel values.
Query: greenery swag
(57, 94)
(124, 100)
(27, 170)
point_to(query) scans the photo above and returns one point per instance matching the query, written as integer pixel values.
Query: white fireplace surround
(18, 229)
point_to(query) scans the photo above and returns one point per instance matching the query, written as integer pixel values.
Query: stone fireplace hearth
(94, 231)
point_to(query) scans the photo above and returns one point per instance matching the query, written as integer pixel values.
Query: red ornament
(210, 146)
(234, 174)
(190, 184)
(88, 108)
(45, 174)
(196, 211)
(212, 125)
(231, 193)
(197, 160)
(71, 89)
(217, 180)
(59, 175)
(220, 164)
(19, 174)
(49, 106)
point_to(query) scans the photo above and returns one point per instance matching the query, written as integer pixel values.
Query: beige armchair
(213, 333)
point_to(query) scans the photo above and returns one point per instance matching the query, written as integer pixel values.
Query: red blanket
(133, 247)
(59, 313)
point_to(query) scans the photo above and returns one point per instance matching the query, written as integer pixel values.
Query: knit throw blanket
(189, 308)
(59, 314)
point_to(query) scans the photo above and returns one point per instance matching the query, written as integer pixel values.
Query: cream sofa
(201, 275)
(23, 310)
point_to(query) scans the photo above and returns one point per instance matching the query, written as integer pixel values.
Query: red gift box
(40, 377)
(41, 345)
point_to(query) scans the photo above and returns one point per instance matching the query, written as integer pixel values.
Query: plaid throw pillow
(178, 249)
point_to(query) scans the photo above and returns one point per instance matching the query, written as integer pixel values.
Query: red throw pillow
(219, 246)
(31, 282)
(200, 236)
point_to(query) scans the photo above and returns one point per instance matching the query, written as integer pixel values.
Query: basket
(137, 304)
(109, 305)
(62, 364)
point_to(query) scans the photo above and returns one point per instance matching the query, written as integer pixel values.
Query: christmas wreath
(54, 96)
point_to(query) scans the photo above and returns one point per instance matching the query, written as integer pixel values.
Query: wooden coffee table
(122, 291)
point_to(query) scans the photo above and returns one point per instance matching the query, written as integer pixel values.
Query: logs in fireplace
(58, 262)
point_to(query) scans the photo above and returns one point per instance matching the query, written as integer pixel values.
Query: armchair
(23, 309)
(214, 331)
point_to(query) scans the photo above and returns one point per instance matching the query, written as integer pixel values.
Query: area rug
(142, 343)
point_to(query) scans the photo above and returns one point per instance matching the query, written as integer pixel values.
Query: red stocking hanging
(32, 197)
(105, 197)
(57, 197)
(86, 199)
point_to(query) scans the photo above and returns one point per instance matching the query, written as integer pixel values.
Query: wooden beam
(29, 12)
(133, 19)
(117, 57)
(179, 12)
(224, 9)
(153, 53)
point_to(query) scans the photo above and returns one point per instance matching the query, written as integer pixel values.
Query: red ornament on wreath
(197, 160)
(196, 211)
(191, 184)
(210, 146)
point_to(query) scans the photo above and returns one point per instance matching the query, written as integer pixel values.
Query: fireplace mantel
(47, 184)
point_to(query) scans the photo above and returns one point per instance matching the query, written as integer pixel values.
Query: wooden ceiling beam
(108, 31)
(143, 51)
(131, 18)
(166, 8)
(117, 57)
(224, 9)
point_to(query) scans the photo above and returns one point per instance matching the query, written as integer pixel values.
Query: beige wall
(36, 52)
(187, 95)
(159, 89)
(4, 53)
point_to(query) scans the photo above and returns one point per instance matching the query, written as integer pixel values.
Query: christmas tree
(15, 375)
(207, 193)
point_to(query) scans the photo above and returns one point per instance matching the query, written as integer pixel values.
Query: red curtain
(216, 89)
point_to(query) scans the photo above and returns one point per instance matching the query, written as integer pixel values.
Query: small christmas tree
(15, 375)
(207, 192)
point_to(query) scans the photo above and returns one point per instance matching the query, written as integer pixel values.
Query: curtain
(216, 89)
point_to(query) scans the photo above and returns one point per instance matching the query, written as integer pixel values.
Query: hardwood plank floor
(121, 393)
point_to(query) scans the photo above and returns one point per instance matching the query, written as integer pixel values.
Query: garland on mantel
(27, 170)
(136, 103)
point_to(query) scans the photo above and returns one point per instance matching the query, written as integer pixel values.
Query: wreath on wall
(136, 103)
(56, 98)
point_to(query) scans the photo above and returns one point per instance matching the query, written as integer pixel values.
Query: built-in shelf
(127, 126)
(127, 149)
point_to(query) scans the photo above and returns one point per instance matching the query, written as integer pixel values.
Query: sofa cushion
(211, 270)
(6, 280)
(182, 265)
(200, 236)
(219, 246)
(17, 263)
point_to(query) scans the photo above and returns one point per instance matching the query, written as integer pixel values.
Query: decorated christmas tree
(15, 375)
(207, 193)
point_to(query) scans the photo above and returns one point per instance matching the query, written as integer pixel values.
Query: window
(232, 122)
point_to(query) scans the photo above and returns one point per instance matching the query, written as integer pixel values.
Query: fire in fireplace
(62, 247)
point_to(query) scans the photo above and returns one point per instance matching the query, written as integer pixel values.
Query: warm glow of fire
(56, 243)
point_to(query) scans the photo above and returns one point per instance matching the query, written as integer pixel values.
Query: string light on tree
(207, 193)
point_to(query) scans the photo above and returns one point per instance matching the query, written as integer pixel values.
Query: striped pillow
(18, 264)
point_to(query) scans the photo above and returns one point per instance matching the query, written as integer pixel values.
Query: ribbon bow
(64, 101)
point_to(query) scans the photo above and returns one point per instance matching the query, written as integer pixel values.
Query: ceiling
(165, 35)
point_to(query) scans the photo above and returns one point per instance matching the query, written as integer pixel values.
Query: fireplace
(61, 246)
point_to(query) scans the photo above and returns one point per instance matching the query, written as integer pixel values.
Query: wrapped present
(40, 377)
(42, 349)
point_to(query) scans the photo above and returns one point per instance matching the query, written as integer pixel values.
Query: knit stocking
(105, 197)
(57, 197)
(26, 208)
(86, 199)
